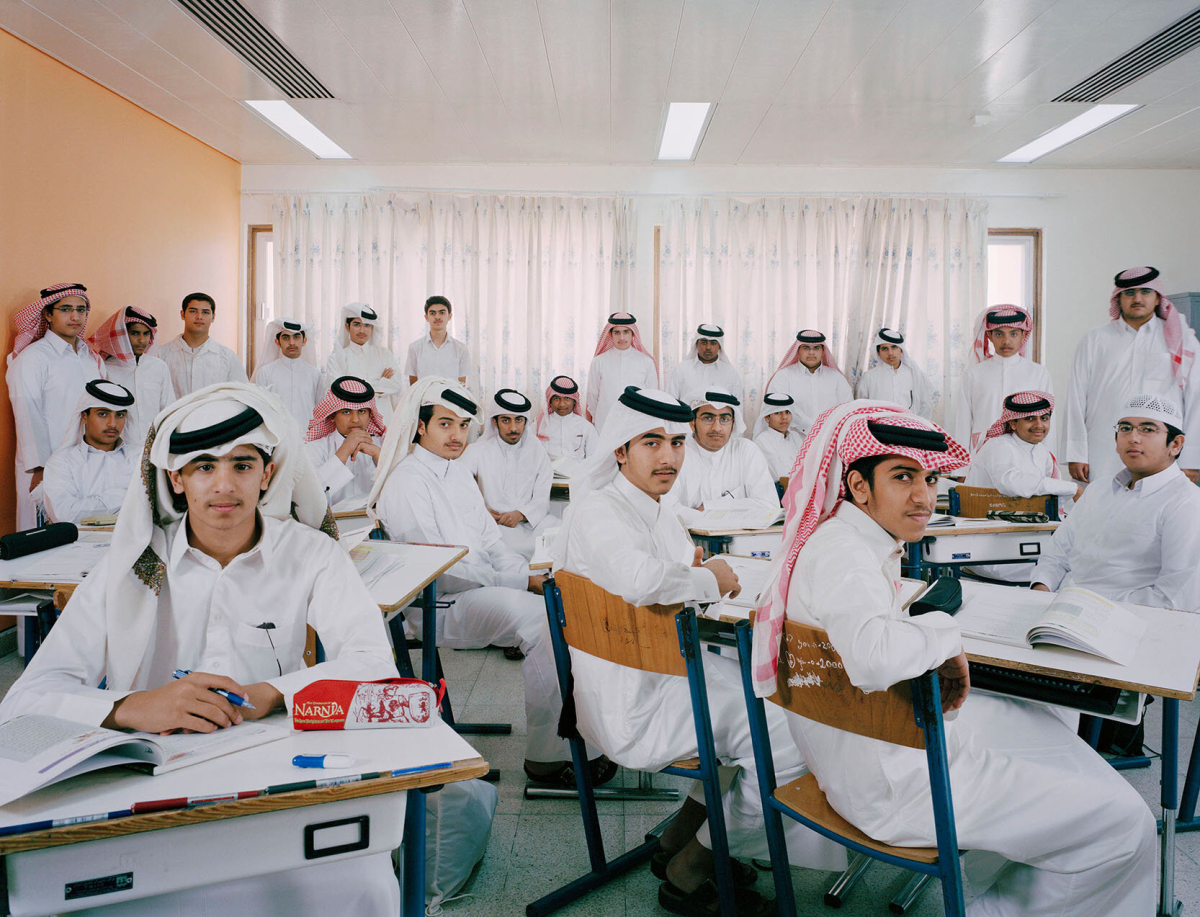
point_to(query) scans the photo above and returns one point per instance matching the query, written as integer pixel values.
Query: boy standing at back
(195, 359)
(436, 353)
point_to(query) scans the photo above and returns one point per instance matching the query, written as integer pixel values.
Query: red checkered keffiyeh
(982, 347)
(550, 392)
(112, 340)
(1173, 324)
(31, 321)
(1012, 412)
(322, 423)
(606, 340)
(840, 437)
(792, 357)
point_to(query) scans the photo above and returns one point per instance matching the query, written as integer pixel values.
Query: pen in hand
(236, 699)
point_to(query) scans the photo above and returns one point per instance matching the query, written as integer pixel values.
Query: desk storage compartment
(766, 546)
(986, 548)
(109, 871)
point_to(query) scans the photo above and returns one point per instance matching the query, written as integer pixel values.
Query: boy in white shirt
(123, 341)
(195, 359)
(811, 376)
(620, 359)
(288, 368)
(357, 354)
(895, 377)
(773, 434)
(561, 428)
(436, 353)
(90, 473)
(707, 366)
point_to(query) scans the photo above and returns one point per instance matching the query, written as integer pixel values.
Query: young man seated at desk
(724, 469)
(1135, 537)
(620, 536)
(1079, 839)
(90, 473)
(344, 436)
(1015, 461)
(773, 434)
(428, 496)
(209, 572)
(513, 471)
(561, 428)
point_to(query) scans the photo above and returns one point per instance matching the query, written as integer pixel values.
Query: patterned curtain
(531, 278)
(765, 268)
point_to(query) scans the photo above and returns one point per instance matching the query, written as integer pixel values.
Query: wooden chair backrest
(974, 502)
(812, 682)
(606, 626)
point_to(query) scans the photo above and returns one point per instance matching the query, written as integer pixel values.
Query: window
(260, 289)
(1015, 275)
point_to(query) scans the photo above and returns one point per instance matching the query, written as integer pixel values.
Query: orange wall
(99, 191)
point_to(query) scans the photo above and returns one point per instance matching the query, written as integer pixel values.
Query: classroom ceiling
(942, 83)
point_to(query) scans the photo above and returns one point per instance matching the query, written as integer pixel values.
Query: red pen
(187, 802)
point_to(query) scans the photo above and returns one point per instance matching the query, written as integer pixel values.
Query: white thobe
(429, 499)
(985, 385)
(628, 544)
(814, 392)
(195, 368)
(207, 616)
(149, 378)
(780, 450)
(569, 437)
(367, 362)
(1131, 545)
(452, 359)
(905, 385)
(1081, 839)
(1112, 363)
(81, 481)
(348, 482)
(1017, 469)
(297, 383)
(691, 375)
(516, 477)
(736, 476)
(45, 381)
(608, 376)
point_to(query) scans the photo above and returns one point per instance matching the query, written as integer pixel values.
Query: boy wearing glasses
(723, 468)
(1146, 347)
(49, 366)
(1136, 536)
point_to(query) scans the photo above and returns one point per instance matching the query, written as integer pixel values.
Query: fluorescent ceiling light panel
(683, 129)
(1094, 118)
(299, 128)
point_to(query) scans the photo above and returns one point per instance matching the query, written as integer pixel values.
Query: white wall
(1094, 222)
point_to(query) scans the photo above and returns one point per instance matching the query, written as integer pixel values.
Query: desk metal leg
(1187, 820)
(1168, 906)
(412, 895)
(429, 633)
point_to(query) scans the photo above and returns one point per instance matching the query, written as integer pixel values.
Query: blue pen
(236, 699)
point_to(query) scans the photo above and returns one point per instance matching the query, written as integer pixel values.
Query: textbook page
(738, 519)
(180, 750)
(1082, 620)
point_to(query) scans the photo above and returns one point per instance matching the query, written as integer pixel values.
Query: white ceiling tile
(642, 37)
(577, 48)
(710, 35)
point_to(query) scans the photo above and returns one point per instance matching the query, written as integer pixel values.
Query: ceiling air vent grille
(1176, 39)
(233, 24)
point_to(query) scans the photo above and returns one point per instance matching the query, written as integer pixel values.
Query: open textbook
(1074, 618)
(738, 519)
(36, 750)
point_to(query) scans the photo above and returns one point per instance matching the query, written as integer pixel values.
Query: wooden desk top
(947, 531)
(465, 769)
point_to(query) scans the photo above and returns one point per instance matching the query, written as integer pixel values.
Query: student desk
(738, 541)
(269, 834)
(968, 543)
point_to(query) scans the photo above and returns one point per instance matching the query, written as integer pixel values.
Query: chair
(662, 639)
(974, 503)
(906, 714)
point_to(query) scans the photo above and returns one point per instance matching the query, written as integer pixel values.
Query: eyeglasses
(1146, 429)
(1145, 291)
(67, 310)
(723, 419)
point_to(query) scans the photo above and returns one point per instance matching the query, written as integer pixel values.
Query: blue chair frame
(927, 712)
(602, 869)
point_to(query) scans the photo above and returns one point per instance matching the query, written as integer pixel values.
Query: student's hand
(1041, 587)
(698, 557)
(536, 583)
(700, 508)
(1193, 474)
(1079, 471)
(186, 704)
(354, 441)
(388, 373)
(368, 448)
(1079, 492)
(511, 519)
(727, 581)
(36, 479)
(954, 680)
(266, 699)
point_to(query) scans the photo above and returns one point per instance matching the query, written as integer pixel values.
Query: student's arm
(844, 393)
(332, 471)
(594, 384)
(410, 364)
(382, 384)
(538, 506)
(1178, 582)
(922, 394)
(61, 680)
(590, 440)
(633, 574)
(962, 414)
(26, 385)
(1000, 462)
(673, 381)
(347, 620)
(853, 603)
(1054, 563)
(760, 485)
(237, 369)
(166, 393)
(1189, 458)
(464, 363)
(68, 499)
(1075, 438)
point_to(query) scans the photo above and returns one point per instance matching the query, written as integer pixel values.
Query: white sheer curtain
(531, 278)
(766, 267)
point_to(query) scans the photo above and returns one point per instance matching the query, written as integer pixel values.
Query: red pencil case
(389, 702)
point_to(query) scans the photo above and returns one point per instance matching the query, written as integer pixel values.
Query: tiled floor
(537, 845)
